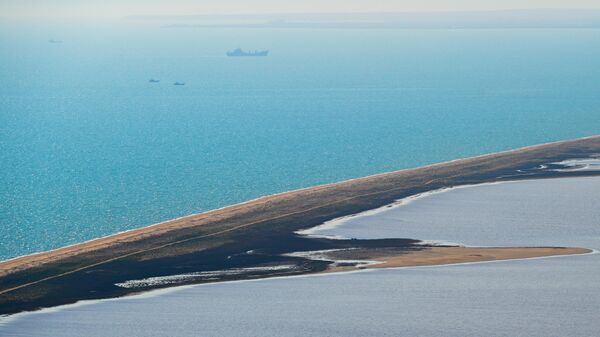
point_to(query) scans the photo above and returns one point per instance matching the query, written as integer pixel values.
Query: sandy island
(260, 232)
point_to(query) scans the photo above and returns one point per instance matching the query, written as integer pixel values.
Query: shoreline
(259, 232)
(335, 223)
(266, 198)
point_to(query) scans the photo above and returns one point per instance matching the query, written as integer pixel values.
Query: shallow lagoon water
(544, 297)
(560, 212)
(88, 147)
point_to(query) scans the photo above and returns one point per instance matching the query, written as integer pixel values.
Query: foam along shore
(433, 256)
(581, 165)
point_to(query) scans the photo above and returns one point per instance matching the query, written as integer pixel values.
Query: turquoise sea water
(88, 147)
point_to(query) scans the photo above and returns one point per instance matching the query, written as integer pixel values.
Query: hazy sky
(112, 8)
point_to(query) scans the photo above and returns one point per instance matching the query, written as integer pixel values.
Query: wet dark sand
(256, 233)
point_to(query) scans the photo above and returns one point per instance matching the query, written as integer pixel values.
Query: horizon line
(554, 9)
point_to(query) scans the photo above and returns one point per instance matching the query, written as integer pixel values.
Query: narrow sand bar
(223, 238)
(562, 149)
(453, 255)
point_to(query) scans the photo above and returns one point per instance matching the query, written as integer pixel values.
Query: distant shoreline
(257, 232)
(547, 18)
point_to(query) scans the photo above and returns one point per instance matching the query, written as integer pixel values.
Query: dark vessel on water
(153, 80)
(178, 83)
(240, 52)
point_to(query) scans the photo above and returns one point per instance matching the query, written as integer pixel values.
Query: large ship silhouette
(240, 52)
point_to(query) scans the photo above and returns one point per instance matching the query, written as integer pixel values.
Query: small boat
(153, 81)
(178, 83)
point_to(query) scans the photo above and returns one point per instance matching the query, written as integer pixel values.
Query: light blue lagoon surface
(546, 297)
(88, 147)
(559, 212)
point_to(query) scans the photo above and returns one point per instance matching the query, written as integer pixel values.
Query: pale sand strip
(453, 255)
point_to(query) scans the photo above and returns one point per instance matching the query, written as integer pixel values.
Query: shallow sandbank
(452, 255)
(352, 259)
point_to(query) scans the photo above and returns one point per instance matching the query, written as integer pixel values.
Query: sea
(89, 147)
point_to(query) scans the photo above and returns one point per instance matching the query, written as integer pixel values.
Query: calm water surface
(538, 297)
(535, 212)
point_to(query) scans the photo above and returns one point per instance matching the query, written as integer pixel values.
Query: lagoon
(555, 296)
